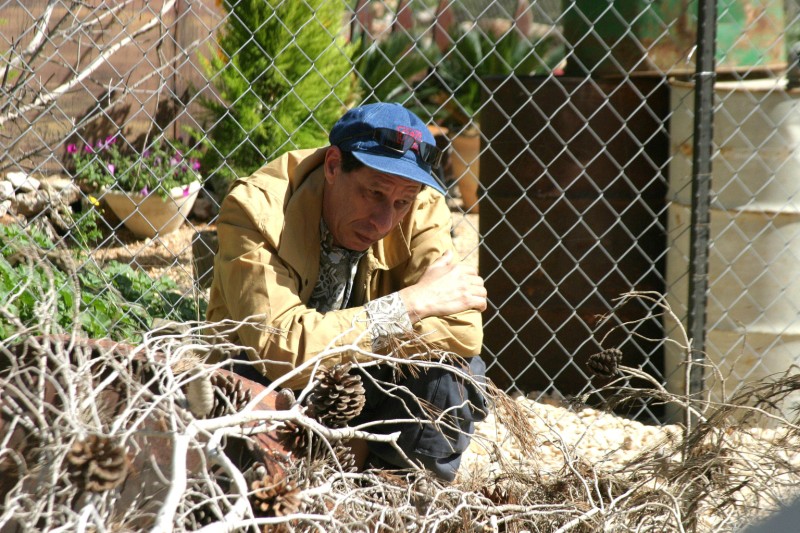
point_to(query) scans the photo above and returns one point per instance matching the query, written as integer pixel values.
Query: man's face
(361, 207)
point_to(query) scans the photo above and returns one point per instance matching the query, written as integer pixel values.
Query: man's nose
(382, 219)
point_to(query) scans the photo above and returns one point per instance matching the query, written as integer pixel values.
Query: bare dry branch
(43, 100)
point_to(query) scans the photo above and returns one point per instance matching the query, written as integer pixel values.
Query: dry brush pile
(99, 436)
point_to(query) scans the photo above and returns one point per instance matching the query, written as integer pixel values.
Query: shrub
(283, 77)
(475, 55)
(387, 68)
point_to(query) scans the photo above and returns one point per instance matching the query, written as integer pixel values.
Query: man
(350, 244)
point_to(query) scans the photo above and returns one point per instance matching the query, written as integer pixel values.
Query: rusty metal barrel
(573, 218)
(752, 326)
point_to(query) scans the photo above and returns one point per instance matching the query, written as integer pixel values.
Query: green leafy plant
(116, 301)
(283, 78)
(159, 168)
(85, 228)
(454, 90)
(160, 297)
(387, 68)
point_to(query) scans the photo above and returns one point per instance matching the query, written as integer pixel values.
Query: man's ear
(333, 163)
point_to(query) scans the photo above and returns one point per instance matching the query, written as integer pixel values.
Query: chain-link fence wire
(568, 128)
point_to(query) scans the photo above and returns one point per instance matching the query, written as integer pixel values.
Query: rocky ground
(165, 255)
(559, 431)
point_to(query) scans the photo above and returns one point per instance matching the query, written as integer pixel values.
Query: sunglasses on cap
(400, 142)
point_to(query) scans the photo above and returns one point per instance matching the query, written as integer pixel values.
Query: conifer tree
(283, 73)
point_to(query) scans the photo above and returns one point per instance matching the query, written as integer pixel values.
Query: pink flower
(112, 168)
(72, 148)
(195, 164)
(144, 191)
(88, 149)
(186, 191)
(111, 139)
(146, 153)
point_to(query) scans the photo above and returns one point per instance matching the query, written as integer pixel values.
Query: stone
(57, 183)
(66, 193)
(33, 202)
(6, 190)
(22, 182)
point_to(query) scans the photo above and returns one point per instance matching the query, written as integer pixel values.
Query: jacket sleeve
(430, 238)
(253, 284)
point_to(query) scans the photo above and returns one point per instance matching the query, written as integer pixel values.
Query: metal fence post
(701, 184)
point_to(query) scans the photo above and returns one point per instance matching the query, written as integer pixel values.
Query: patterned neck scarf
(337, 270)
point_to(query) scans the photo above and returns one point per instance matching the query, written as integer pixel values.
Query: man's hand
(447, 287)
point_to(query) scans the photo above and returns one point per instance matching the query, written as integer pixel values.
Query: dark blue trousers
(398, 394)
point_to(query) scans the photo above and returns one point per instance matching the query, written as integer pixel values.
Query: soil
(169, 254)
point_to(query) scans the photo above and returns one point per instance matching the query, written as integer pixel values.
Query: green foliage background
(388, 68)
(283, 75)
(114, 302)
(475, 55)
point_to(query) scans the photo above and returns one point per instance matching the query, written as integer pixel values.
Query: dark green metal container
(613, 38)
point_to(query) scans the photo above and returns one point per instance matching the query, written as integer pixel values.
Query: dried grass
(183, 473)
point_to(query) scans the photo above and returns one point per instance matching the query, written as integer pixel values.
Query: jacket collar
(300, 242)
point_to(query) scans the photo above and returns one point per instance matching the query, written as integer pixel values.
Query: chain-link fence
(569, 130)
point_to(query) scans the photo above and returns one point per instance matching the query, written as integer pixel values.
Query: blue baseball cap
(374, 134)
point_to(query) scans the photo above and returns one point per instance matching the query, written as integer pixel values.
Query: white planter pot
(148, 216)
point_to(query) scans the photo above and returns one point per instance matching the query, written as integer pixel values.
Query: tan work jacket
(268, 262)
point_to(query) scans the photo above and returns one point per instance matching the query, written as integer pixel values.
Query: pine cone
(605, 363)
(293, 436)
(345, 457)
(230, 395)
(199, 517)
(200, 513)
(274, 496)
(498, 495)
(284, 400)
(338, 397)
(97, 464)
(302, 442)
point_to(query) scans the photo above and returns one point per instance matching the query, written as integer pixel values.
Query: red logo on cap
(411, 132)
